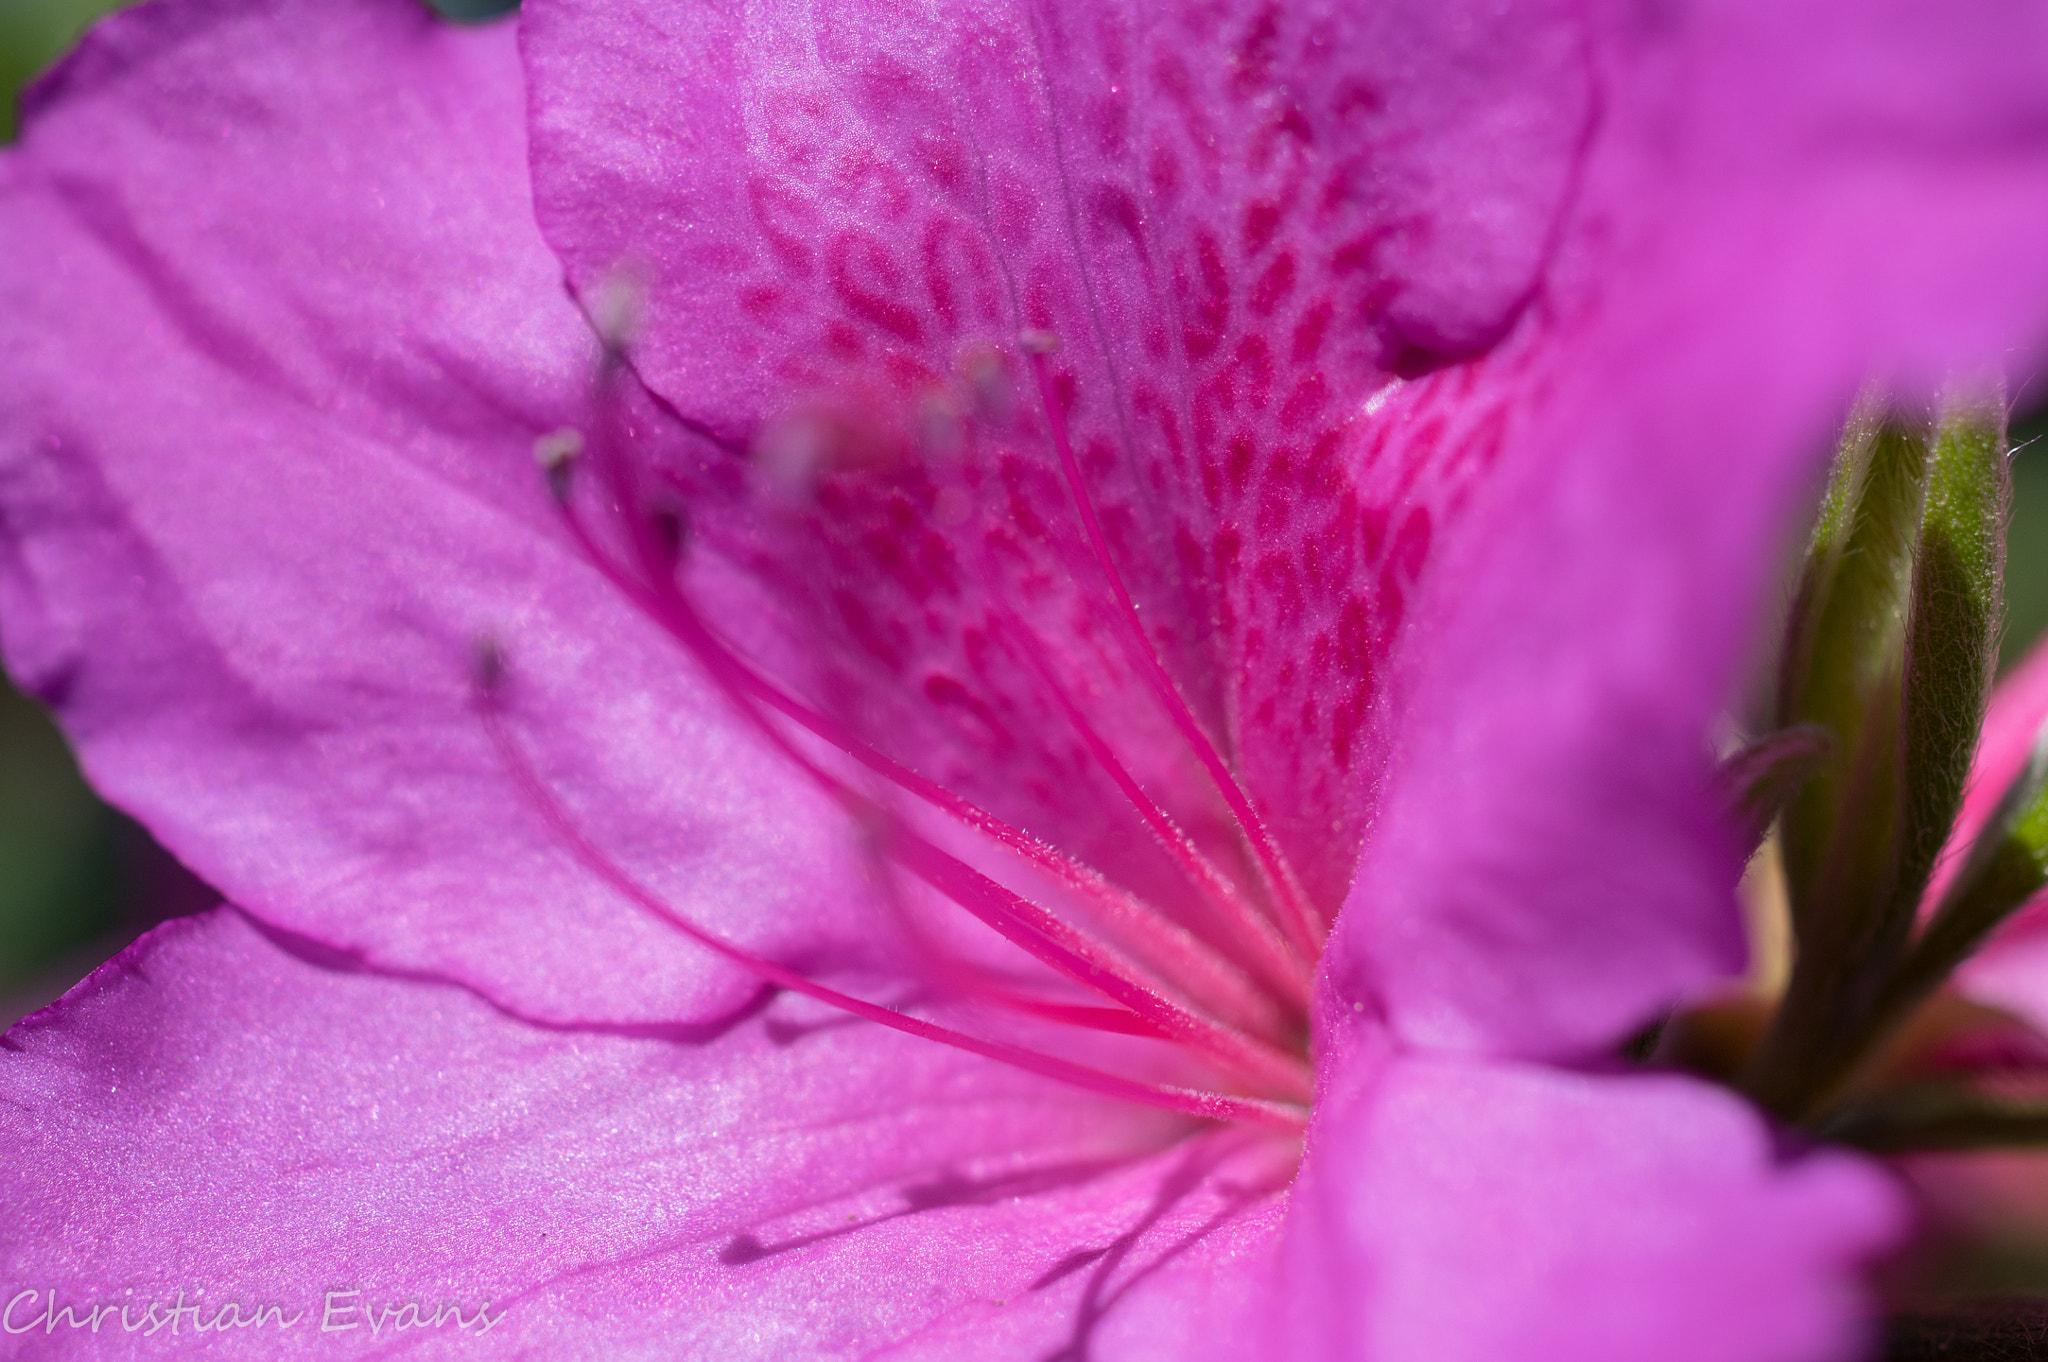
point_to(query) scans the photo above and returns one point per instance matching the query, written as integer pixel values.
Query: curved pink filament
(1084, 961)
(1185, 960)
(972, 980)
(1296, 917)
(1186, 957)
(1018, 920)
(1280, 966)
(1187, 1101)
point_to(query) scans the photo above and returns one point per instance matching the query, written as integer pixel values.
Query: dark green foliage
(1890, 648)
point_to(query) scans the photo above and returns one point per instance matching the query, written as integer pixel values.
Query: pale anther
(557, 447)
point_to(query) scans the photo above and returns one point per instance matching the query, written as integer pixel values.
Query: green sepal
(1843, 671)
(1890, 647)
(1952, 632)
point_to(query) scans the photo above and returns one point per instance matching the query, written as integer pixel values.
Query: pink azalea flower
(1260, 506)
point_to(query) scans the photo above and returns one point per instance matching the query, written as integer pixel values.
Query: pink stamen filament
(968, 979)
(1081, 961)
(1144, 1011)
(1018, 920)
(1187, 1101)
(1296, 917)
(1251, 929)
(1169, 947)
(670, 610)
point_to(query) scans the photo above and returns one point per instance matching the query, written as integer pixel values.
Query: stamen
(616, 307)
(1297, 919)
(1252, 929)
(1187, 1101)
(1168, 947)
(968, 979)
(1018, 920)
(1172, 951)
(1058, 945)
(556, 452)
(1188, 962)
(488, 663)
(1152, 996)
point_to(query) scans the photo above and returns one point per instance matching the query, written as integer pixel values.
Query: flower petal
(1759, 234)
(2019, 708)
(280, 337)
(214, 1115)
(2012, 969)
(1454, 1209)
(1239, 222)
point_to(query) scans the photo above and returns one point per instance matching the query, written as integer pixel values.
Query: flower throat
(1198, 1006)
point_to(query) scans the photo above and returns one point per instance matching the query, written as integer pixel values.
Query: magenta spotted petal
(847, 215)
(1046, 518)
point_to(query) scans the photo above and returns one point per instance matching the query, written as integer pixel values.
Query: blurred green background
(77, 880)
(32, 33)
